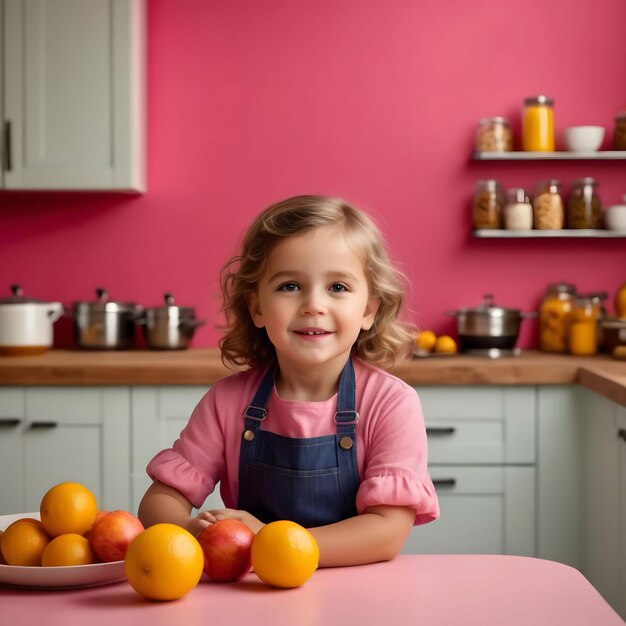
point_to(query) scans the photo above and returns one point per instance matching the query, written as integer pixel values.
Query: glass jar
(619, 132)
(555, 316)
(584, 209)
(583, 331)
(487, 205)
(494, 135)
(548, 209)
(538, 124)
(518, 212)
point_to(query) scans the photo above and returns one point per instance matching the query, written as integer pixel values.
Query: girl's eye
(288, 287)
(338, 287)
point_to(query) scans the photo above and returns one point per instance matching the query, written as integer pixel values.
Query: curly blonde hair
(245, 344)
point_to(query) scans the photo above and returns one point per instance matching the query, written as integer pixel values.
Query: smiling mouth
(311, 333)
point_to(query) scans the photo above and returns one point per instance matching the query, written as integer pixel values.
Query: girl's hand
(216, 515)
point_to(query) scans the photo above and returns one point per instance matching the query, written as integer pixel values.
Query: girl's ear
(369, 314)
(252, 300)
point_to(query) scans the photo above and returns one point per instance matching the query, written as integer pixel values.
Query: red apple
(111, 536)
(227, 545)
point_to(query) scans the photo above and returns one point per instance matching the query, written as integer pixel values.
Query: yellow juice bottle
(538, 124)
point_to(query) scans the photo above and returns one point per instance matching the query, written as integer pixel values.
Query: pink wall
(250, 102)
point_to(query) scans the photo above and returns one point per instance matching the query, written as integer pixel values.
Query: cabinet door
(620, 599)
(484, 510)
(81, 435)
(73, 94)
(159, 414)
(12, 416)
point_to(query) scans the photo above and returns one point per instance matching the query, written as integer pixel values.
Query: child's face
(313, 298)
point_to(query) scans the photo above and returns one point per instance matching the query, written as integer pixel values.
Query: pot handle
(55, 311)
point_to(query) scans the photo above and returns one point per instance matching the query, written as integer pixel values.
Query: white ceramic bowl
(583, 138)
(615, 217)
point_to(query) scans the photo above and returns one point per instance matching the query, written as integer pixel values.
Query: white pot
(26, 326)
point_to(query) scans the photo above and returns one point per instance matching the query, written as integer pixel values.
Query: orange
(68, 508)
(284, 554)
(23, 543)
(2, 559)
(445, 345)
(164, 562)
(68, 549)
(426, 340)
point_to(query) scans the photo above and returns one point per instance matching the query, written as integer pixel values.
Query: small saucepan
(169, 327)
(488, 326)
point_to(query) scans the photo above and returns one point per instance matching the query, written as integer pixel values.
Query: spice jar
(538, 124)
(518, 212)
(494, 135)
(548, 210)
(583, 332)
(554, 317)
(584, 209)
(619, 132)
(487, 205)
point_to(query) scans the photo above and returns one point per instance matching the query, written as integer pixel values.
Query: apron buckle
(255, 413)
(340, 417)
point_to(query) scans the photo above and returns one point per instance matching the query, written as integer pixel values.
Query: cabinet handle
(444, 482)
(43, 424)
(440, 430)
(10, 421)
(621, 434)
(8, 160)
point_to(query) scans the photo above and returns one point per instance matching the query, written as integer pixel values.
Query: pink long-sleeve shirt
(391, 440)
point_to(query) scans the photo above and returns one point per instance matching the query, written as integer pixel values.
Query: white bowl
(583, 138)
(615, 217)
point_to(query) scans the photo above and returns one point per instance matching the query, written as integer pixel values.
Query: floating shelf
(606, 155)
(581, 233)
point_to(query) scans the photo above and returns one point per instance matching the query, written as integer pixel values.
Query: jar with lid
(584, 208)
(494, 135)
(555, 316)
(518, 212)
(548, 209)
(619, 132)
(487, 205)
(538, 124)
(583, 332)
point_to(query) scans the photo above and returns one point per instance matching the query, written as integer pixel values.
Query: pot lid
(488, 307)
(104, 304)
(170, 307)
(18, 297)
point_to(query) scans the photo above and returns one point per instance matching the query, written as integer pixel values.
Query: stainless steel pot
(26, 324)
(488, 326)
(169, 327)
(105, 324)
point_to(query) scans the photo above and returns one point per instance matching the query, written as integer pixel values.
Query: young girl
(313, 431)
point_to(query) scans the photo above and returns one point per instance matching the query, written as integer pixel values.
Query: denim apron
(312, 481)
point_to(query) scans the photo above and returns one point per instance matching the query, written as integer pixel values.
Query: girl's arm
(162, 503)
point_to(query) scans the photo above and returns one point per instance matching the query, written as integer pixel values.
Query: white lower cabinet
(481, 445)
(54, 434)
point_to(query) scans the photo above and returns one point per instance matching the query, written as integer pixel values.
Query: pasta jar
(538, 124)
(619, 132)
(487, 205)
(555, 316)
(548, 209)
(584, 209)
(518, 212)
(583, 331)
(494, 135)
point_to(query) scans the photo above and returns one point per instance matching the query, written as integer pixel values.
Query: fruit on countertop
(23, 542)
(164, 562)
(68, 508)
(445, 345)
(284, 554)
(227, 546)
(68, 550)
(112, 534)
(427, 342)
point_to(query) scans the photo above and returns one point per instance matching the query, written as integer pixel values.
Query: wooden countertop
(202, 366)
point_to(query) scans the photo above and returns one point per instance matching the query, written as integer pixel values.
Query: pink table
(429, 590)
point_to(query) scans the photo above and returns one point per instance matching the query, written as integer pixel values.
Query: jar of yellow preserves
(555, 316)
(583, 331)
(538, 124)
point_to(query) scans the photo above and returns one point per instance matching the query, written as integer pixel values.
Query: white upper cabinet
(73, 94)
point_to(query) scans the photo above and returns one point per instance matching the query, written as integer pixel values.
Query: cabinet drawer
(479, 425)
(484, 510)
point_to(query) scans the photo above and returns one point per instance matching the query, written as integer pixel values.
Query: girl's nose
(313, 304)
